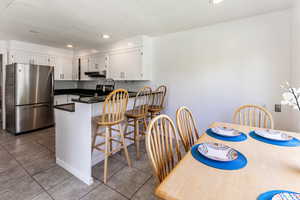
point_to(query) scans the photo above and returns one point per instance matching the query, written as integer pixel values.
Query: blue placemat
(269, 195)
(239, 163)
(239, 138)
(292, 143)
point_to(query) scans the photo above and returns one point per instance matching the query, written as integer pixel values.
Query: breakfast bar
(74, 135)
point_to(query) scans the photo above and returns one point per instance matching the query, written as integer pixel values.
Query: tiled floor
(28, 172)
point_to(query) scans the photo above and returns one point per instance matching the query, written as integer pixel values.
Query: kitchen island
(73, 131)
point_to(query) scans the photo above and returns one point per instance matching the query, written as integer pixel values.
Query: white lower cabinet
(70, 97)
(60, 99)
(64, 99)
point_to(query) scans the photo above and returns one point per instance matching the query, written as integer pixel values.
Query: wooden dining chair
(253, 115)
(162, 146)
(113, 114)
(186, 126)
(137, 116)
(157, 101)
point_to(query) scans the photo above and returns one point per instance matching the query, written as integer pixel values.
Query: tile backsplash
(65, 84)
(128, 85)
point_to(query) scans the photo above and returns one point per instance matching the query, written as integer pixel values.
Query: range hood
(96, 74)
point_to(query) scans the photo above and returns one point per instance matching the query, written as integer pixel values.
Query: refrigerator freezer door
(34, 84)
(31, 117)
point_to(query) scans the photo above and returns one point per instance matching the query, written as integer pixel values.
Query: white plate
(218, 152)
(227, 132)
(274, 135)
(286, 196)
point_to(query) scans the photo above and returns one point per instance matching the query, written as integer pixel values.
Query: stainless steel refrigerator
(28, 97)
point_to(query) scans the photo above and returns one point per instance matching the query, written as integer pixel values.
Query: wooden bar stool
(113, 114)
(137, 116)
(157, 101)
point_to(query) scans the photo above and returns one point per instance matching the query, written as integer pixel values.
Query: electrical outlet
(277, 107)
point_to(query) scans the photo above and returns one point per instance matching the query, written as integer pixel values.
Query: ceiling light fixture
(70, 46)
(34, 31)
(105, 36)
(215, 1)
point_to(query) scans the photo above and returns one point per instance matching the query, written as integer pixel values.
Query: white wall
(296, 44)
(215, 69)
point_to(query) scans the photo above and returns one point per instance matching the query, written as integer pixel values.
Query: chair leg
(137, 138)
(145, 125)
(124, 145)
(94, 138)
(107, 143)
(110, 140)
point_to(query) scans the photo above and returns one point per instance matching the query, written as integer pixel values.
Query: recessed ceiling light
(34, 31)
(215, 1)
(70, 46)
(129, 44)
(105, 36)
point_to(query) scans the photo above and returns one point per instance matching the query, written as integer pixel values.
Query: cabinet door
(67, 68)
(75, 68)
(41, 59)
(70, 97)
(98, 63)
(60, 99)
(63, 69)
(84, 67)
(126, 65)
(20, 57)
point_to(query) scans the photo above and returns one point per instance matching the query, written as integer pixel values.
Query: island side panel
(73, 141)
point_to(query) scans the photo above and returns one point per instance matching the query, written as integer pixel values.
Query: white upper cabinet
(20, 57)
(63, 69)
(84, 67)
(126, 65)
(63, 65)
(98, 63)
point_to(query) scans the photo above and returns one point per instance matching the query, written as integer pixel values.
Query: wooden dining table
(269, 167)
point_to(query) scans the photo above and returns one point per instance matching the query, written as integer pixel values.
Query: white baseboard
(86, 179)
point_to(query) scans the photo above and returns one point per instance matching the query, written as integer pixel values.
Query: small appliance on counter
(106, 87)
(28, 97)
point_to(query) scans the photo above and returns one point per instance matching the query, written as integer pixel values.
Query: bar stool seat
(138, 114)
(153, 108)
(103, 120)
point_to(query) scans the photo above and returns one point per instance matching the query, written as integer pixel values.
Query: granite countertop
(97, 99)
(70, 107)
(87, 95)
(79, 92)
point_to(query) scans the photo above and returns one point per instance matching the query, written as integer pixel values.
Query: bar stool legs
(124, 145)
(108, 146)
(137, 138)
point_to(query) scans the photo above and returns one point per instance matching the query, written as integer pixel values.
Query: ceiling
(81, 22)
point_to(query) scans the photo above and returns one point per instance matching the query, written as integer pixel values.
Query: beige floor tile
(24, 188)
(147, 191)
(128, 181)
(71, 189)
(12, 173)
(114, 166)
(104, 193)
(51, 177)
(42, 196)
